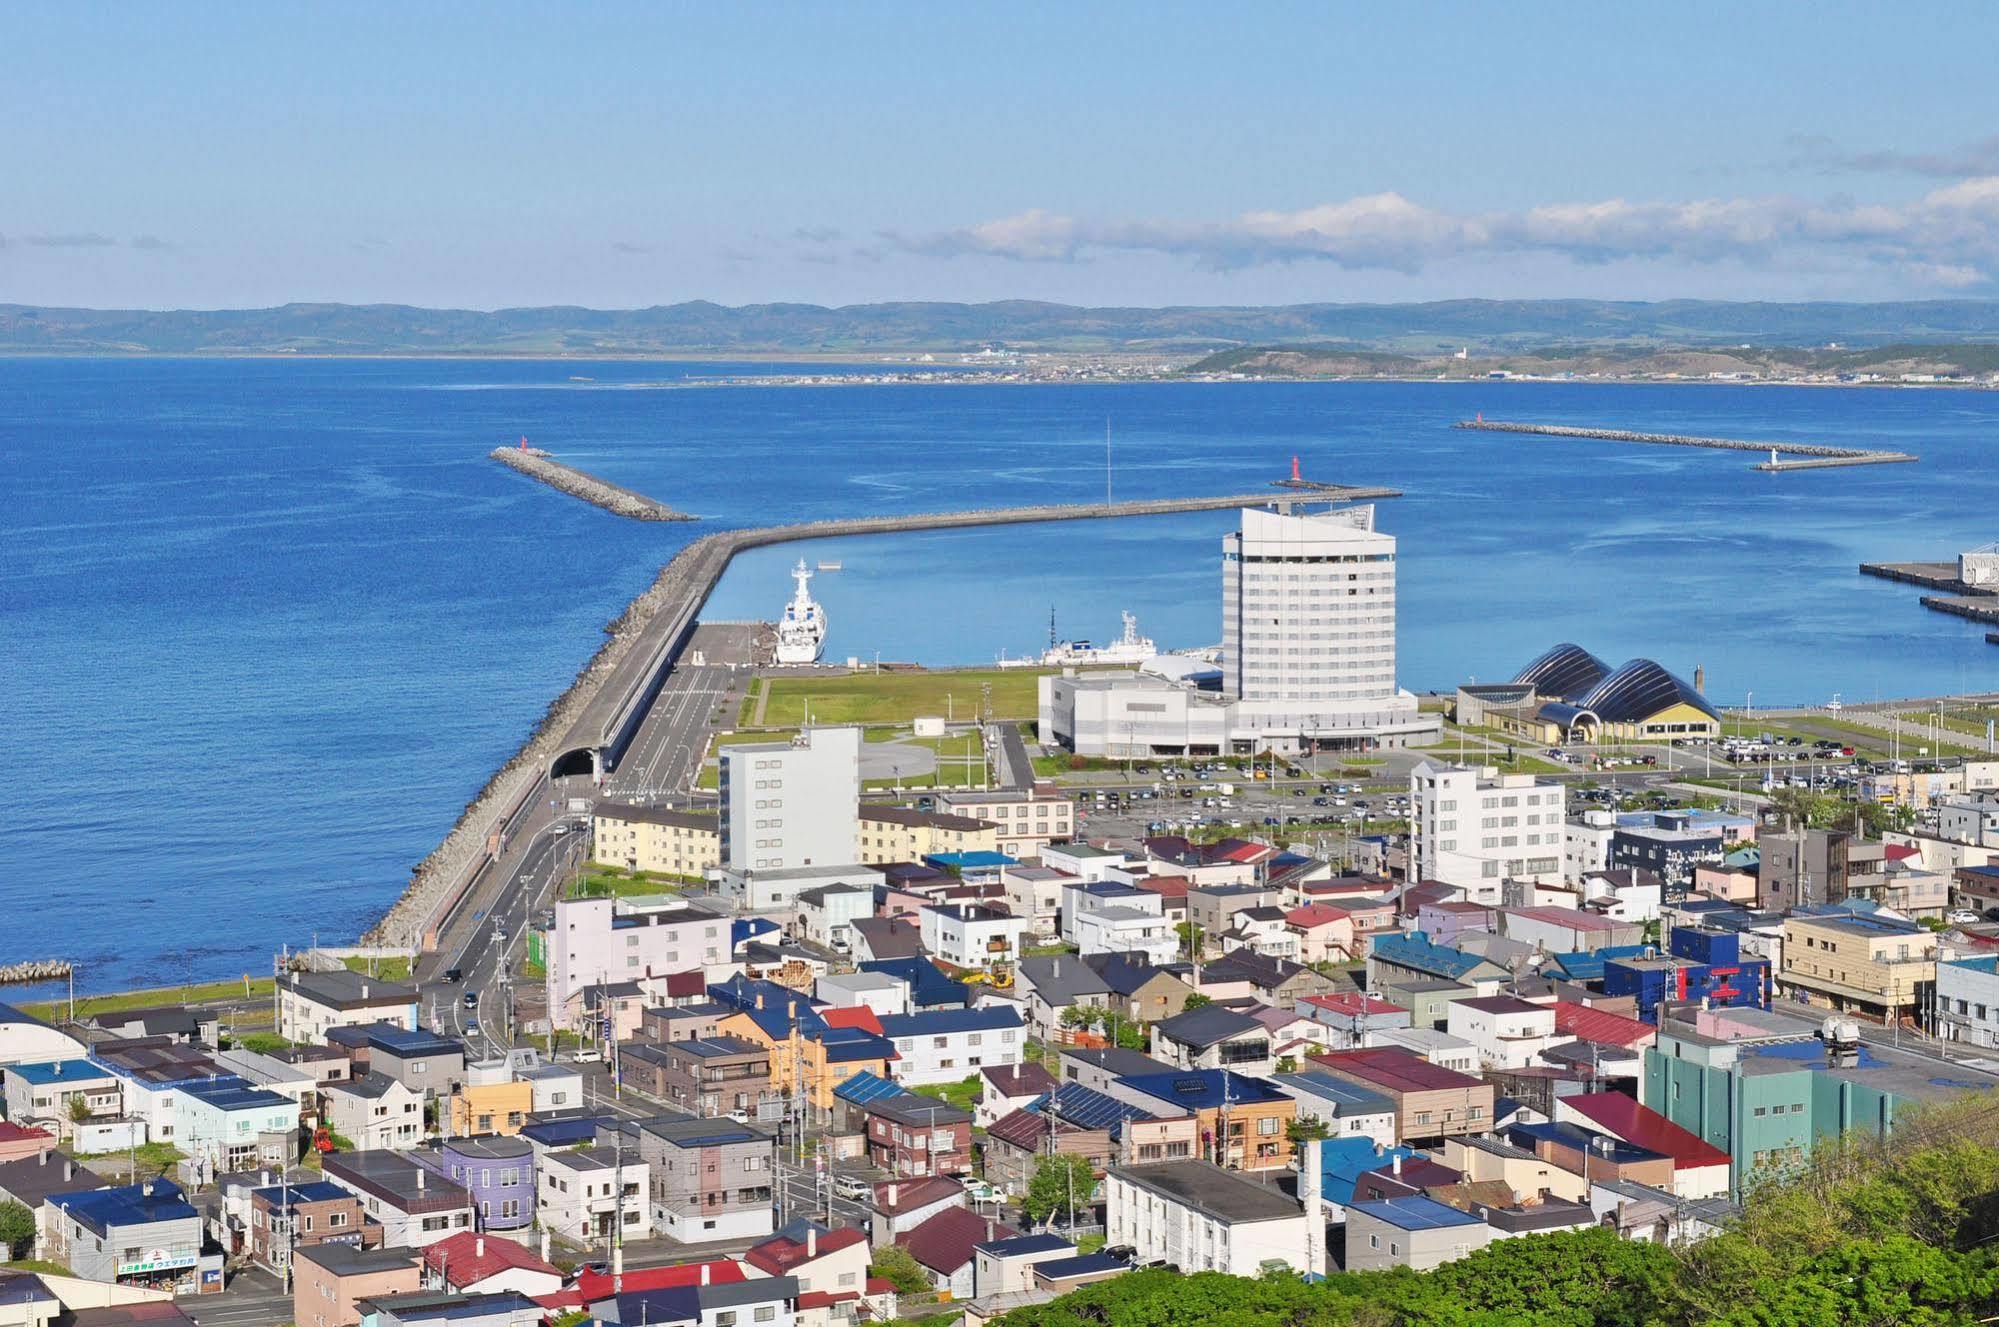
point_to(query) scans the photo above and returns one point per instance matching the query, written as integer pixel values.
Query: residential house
(414, 1205)
(1213, 1037)
(286, 1218)
(374, 1111)
(1416, 956)
(943, 1246)
(1034, 894)
(1200, 1218)
(586, 1193)
(1349, 1016)
(1965, 1008)
(490, 1100)
(1507, 1032)
(329, 1281)
(176, 1023)
(711, 1179)
(971, 936)
(912, 1136)
(1324, 933)
(497, 1170)
(229, 1125)
(598, 940)
(825, 916)
(1107, 917)
(428, 1064)
(1017, 1143)
(1567, 930)
(471, 1263)
(1442, 921)
(31, 1180)
(1263, 931)
(48, 1093)
(1048, 984)
(884, 939)
(900, 1206)
(948, 1045)
(1413, 1231)
(1097, 1069)
(1142, 991)
(1431, 1102)
(871, 990)
(1244, 1123)
(1700, 1169)
(1876, 965)
(1347, 1109)
(810, 1049)
(1005, 1088)
(311, 1003)
(715, 1076)
(1006, 1266)
(1274, 980)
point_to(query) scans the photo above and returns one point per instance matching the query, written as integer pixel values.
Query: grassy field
(210, 992)
(388, 969)
(898, 697)
(150, 1157)
(953, 771)
(612, 881)
(1967, 721)
(963, 1094)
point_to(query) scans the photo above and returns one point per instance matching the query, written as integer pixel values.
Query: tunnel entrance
(572, 763)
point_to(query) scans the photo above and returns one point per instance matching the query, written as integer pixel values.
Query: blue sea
(268, 624)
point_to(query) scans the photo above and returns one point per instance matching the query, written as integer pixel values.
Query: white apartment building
(1508, 1033)
(1035, 894)
(599, 940)
(791, 805)
(971, 935)
(1308, 646)
(1586, 844)
(1107, 917)
(1027, 818)
(951, 1044)
(1967, 1000)
(587, 1193)
(1972, 819)
(826, 915)
(1475, 828)
(1197, 1217)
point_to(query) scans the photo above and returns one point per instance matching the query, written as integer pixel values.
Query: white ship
(1129, 649)
(801, 632)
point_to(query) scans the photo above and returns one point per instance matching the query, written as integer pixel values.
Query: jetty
(586, 729)
(1807, 455)
(1954, 595)
(619, 501)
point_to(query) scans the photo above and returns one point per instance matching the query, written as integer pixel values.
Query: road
(665, 755)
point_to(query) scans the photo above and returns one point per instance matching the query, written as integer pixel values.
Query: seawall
(581, 484)
(641, 641)
(1823, 456)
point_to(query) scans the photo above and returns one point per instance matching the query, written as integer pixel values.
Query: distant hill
(1893, 361)
(1487, 327)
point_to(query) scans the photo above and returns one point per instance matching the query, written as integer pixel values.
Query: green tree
(1061, 1183)
(17, 1227)
(1196, 1001)
(79, 1109)
(1079, 1016)
(898, 1266)
(1192, 939)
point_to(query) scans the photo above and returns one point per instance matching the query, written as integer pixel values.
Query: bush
(899, 1267)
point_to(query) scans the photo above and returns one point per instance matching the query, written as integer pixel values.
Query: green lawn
(953, 770)
(42, 1265)
(964, 1094)
(149, 1156)
(611, 881)
(200, 993)
(900, 697)
(261, 1042)
(388, 969)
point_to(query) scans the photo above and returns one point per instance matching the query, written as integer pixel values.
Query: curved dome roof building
(1566, 672)
(1640, 690)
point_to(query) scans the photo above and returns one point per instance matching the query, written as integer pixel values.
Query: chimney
(704, 1273)
(891, 1194)
(364, 990)
(989, 1230)
(57, 1072)
(1398, 1165)
(760, 1004)
(478, 1246)
(419, 1177)
(812, 1241)
(147, 1188)
(1310, 1179)
(1056, 969)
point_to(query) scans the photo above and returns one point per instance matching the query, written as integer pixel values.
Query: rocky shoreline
(536, 464)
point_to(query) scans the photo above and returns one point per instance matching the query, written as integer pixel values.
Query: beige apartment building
(645, 838)
(898, 834)
(1868, 964)
(1026, 819)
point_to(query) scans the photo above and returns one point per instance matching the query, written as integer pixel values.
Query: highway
(665, 755)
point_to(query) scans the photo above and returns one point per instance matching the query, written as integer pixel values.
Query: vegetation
(1108, 1023)
(153, 1157)
(1870, 1231)
(37, 1265)
(1061, 1184)
(212, 992)
(616, 881)
(17, 1227)
(396, 967)
(899, 697)
(899, 1267)
(963, 1094)
(264, 1043)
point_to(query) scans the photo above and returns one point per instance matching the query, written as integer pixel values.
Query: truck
(1226, 790)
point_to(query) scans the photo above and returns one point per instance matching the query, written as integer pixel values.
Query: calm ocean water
(268, 624)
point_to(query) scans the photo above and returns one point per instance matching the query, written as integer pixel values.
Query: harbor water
(268, 624)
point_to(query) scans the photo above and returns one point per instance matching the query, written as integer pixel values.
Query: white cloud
(1948, 237)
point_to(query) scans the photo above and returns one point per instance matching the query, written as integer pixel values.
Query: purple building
(496, 1170)
(1445, 922)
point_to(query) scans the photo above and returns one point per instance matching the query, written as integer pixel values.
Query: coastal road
(665, 755)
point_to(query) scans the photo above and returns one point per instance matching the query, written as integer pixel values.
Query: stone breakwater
(640, 643)
(581, 484)
(1822, 456)
(41, 969)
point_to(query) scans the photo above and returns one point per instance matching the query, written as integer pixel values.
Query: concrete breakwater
(1822, 455)
(581, 484)
(41, 969)
(611, 690)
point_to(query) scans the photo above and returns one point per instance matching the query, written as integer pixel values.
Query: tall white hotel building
(1308, 655)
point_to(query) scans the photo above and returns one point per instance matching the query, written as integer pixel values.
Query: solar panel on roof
(1191, 1087)
(1072, 1103)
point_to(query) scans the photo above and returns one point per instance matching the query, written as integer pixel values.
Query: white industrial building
(1475, 828)
(1308, 655)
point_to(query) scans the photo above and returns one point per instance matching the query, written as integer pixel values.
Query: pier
(1815, 456)
(587, 728)
(1953, 595)
(538, 464)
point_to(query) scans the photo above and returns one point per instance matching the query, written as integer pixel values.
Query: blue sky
(618, 155)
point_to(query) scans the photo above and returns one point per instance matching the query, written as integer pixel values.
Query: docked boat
(1130, 649)
(829, 566)
(801, 632)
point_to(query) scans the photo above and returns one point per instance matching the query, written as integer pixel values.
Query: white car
(585, 1055)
